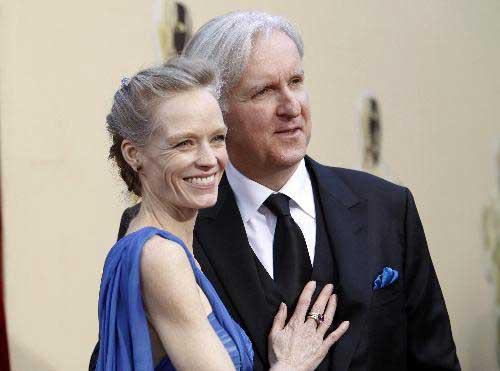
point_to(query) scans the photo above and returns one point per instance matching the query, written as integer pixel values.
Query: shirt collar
(299, 189)
(250, 195)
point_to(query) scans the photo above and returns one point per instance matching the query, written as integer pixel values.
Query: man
(325, 224)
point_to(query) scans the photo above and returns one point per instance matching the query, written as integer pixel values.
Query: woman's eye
(220, 138)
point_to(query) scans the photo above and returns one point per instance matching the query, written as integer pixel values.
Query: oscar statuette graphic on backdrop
(370, 130)
(173, 27)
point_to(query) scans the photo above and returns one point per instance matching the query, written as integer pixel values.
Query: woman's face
(186, 156)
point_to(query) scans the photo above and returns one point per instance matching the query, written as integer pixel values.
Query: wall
(433, 65)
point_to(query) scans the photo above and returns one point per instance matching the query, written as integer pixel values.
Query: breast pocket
(388, 294)
(385, 325)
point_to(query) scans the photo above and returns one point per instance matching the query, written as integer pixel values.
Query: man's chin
(288, 158)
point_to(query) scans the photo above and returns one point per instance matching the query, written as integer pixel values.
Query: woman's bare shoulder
(168, 280)
(159, 251)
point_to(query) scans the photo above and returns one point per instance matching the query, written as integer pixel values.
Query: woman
(156, 308)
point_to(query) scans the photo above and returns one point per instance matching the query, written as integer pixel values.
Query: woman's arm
(175, 310)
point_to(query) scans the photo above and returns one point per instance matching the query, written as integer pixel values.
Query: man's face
(268, 113)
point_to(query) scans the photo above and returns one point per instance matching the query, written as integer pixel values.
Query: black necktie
(291, 263)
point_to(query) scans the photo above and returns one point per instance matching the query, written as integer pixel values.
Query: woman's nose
(206, 156)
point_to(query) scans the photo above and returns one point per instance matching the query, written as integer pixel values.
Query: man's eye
(296, 81)
(184, 143)
(261, 92)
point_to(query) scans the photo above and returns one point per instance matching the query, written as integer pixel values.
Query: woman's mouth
(201, 181)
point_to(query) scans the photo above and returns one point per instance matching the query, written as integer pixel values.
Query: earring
(139, 167)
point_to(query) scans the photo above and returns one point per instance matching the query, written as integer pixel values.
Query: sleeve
(430, 342)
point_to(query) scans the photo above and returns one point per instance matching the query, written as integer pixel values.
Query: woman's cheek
(222, 157)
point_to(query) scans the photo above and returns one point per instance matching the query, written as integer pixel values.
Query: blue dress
(123, 328)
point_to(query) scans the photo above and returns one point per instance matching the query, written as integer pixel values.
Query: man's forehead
(272, 55)
(264, 44)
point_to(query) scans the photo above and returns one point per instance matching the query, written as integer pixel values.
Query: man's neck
(271, 178)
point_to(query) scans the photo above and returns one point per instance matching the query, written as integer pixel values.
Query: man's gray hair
(226, 41)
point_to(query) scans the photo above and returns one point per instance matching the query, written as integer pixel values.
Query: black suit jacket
(371, 224)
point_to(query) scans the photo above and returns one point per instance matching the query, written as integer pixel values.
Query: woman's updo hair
(135, 105)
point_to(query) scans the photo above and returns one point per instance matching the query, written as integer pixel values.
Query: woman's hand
(301, 345)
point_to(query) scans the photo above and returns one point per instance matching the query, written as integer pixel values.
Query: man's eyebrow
(271, 80)
(299, 73)
(260, 85)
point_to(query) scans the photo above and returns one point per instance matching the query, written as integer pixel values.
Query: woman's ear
(131, 154)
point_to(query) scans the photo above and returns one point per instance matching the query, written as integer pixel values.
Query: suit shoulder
(360, 179)
(372, 188)
(127, 216)
(132, 211)
(387, 198)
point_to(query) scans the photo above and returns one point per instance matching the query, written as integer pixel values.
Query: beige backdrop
(433, 65)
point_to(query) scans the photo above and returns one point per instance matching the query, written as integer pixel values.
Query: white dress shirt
(260, 222)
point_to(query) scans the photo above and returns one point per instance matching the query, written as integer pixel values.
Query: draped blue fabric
(123, 328)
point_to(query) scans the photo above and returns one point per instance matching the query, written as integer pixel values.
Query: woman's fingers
(328, 314)
(334, 336)
(279, 319)
(302, 343)
(321, 302)
(303, 304)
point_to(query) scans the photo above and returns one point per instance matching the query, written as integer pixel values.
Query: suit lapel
(345, 216)
(224, 242)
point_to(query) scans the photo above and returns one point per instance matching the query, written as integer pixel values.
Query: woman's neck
(179, 222)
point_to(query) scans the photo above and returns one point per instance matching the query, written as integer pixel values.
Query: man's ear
(131, 154)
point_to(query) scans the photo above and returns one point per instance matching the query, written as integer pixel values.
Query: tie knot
(278, 204)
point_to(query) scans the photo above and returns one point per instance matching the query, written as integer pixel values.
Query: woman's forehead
(195, 111)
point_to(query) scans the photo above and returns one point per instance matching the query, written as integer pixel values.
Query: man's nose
(289, 105)
(206, 156)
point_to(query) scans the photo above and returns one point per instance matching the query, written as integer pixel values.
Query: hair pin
(125, 82)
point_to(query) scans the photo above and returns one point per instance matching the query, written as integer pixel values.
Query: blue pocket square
(387, 277)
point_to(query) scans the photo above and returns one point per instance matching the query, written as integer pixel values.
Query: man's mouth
(289, 131)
